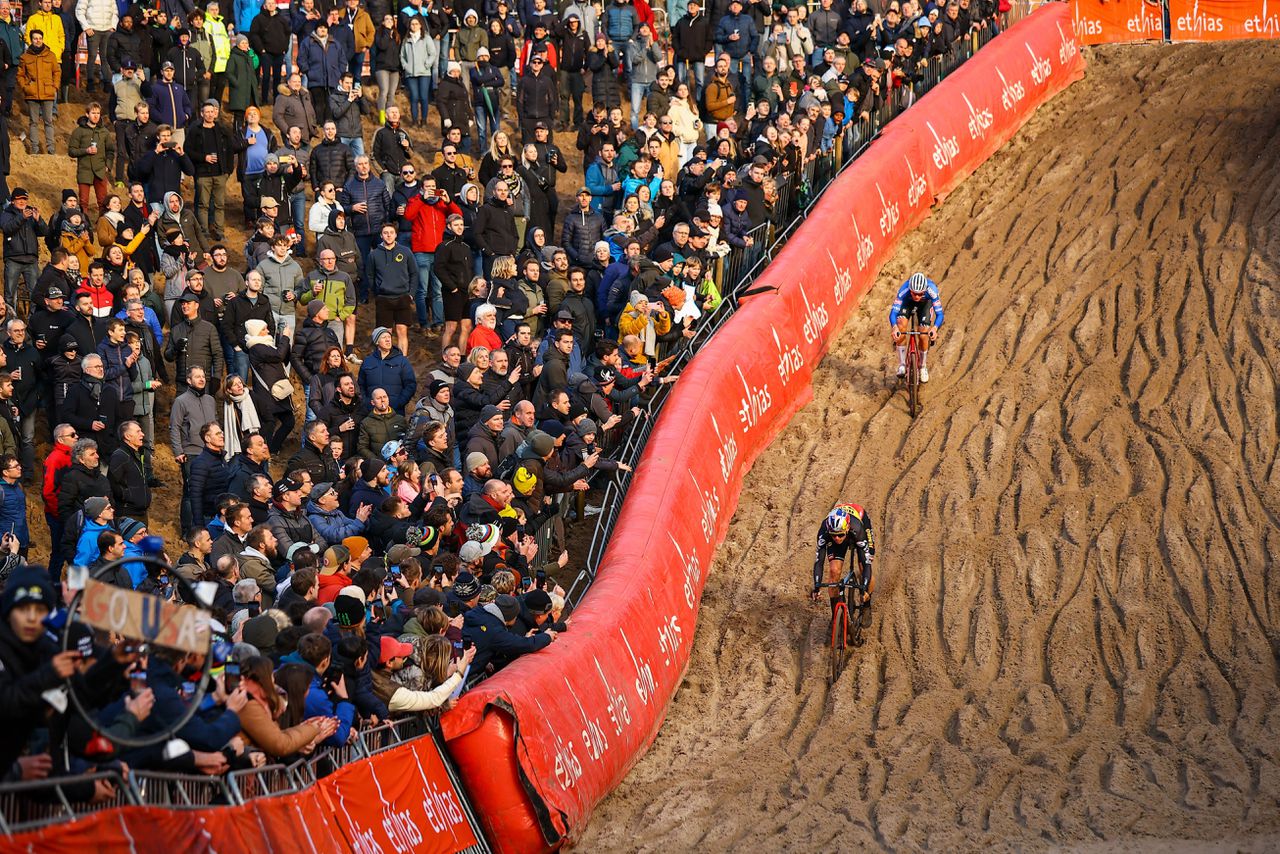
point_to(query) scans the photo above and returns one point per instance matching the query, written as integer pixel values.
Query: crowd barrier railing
(540, 743)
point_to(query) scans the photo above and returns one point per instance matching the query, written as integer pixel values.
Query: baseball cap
(285, 484)
(390, 648)
(166, 64)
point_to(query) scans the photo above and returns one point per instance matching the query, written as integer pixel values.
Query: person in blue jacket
(330, 522)
(316, 651)
(388, 369)
(737, 36)
(13, 502)
(322, 60)
(488, 629)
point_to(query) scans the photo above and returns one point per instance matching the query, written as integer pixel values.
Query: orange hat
(356, 545)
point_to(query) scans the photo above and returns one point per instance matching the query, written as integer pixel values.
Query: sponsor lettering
(979, 120)
(915, 192)
(864, 247)
(755, 402)
(366, 842)
(1066, 48)
(710, 502)
(1264, 24)
(1011, 94)
(692, 573)
(815, 321)
(400, 829)
(728, 450)
(889, 215)
(790, 361)
(669, 638)
(442, 808)
(592, 733)
(645, 684)
(568, 768)
(1146, 24)
(1088, 27)
(1040, 68)
(1198, 23)
(945, 148)
(617, 708)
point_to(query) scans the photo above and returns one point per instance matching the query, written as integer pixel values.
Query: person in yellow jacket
(216, 27)
(48, 22)
(644, 320)
(39, 75)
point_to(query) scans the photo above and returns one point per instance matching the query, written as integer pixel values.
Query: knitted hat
(356, 546)
(261, 631)
(540, 443)
(315, 307)
(509, 607)
(377, 333)
(429, 538)
(474, 460)
(586, 427)
(130, 528)
(435, 387)
(537, 601)
(94, 507)
(465, 586)
(371, 469)
(349, 610)
(486, 535)
(470, 552)
(552, 428)
(27, 585)
(487, 412)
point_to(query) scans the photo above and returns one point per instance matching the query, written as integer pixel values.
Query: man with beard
(192, 409)
(341, 415)
(257, 561)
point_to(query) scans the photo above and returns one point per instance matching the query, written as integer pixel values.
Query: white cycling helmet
(918, 283)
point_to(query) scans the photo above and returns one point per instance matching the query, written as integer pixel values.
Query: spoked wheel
(839, 641)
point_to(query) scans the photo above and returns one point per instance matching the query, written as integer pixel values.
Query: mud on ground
(1077, 614)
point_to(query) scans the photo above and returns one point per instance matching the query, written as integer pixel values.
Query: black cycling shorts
(922, 309)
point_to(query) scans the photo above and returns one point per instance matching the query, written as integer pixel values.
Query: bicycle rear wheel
(839, 641)
(913, 382)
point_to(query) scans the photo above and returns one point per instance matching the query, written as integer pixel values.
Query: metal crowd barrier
(37, 803)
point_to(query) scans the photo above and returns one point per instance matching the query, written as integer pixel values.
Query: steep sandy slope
(1077, 617)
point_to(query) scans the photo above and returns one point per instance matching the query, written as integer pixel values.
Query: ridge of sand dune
(1076, 623)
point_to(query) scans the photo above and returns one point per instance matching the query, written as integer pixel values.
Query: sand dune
(1077, 617)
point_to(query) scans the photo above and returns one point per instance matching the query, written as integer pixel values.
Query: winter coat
(129, 491)
(373, 192)
(39, 74)
(467, 401)
(279, 278)
(97, 15)
(195, 343)
(317, 462)
(22, 235)
(495, 229)
(581, 232)
(454, 105)
(454, 265)
(333, 526)
(419, 57)
(322, 63)
(292, 110)
(290, 528)
(170, 104)
(208, 478)
(346, 113)
(336, 291)
(242, 81)
(331, 161)
(92, 166)
(494, 642)
(536, 96)
(392, 373)
(378, 429)
(270, 33)
(310, 342)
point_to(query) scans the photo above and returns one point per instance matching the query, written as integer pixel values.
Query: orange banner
(1223, 20)
(1116, 21)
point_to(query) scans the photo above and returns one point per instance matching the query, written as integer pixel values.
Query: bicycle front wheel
(839, 641)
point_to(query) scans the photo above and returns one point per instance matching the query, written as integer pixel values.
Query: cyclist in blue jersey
(846, 525)
(919, 296)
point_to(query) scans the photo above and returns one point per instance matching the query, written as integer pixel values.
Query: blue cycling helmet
(838, 521)
(918, 283)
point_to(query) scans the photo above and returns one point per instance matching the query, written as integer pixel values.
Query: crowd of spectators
(517, 324)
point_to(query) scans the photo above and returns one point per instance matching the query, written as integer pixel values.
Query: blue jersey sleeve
(935, 294)
(897, 303)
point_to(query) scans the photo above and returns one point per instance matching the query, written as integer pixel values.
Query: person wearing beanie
(535, 615)
(30, 663)
(99, 516)
(646, 320)
(388, 369)
(463, 595)
(489, 628)
(471, 395)
(478, 471)
(483, 440)
(348, 610)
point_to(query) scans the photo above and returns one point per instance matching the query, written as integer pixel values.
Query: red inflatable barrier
(539, 745)
(401, 800)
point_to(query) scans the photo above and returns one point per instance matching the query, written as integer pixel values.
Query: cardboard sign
(139, 616)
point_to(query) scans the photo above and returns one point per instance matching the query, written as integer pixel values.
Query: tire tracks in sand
(1077, 621)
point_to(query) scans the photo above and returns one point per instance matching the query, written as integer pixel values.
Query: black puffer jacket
(209, 478)
(582, 231)
(331, 160)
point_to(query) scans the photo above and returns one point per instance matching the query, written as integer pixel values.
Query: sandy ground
(1076, 622)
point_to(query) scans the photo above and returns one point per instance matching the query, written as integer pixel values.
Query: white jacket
(97, 15)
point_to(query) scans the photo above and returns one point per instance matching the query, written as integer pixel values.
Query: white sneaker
(591, 510)
(924, 375)
(902, 371)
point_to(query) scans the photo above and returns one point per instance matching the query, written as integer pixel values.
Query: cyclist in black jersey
(846, 526)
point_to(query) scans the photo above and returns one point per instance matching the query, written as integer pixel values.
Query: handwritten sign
(142, 617)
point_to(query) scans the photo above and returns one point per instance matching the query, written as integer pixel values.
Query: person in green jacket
(335, 289)
(242, 80)
(94, 148)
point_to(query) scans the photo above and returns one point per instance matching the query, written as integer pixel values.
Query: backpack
(507, 465)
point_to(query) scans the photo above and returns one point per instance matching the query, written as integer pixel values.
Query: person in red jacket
(64, 436)
(426, 214)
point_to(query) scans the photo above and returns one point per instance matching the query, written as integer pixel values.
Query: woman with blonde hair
(685, 122)
(499, 147)
(259, 717)
(479, 356)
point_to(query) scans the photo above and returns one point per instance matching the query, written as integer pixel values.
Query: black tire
(839, 642)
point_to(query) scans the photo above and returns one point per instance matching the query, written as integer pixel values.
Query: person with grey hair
(80, 481)
(22, 361)
(247, 599)
(192, 409)
(92, 406)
